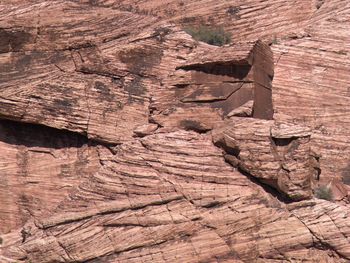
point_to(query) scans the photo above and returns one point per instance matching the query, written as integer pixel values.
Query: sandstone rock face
(122, 139)
(279, 154)
(312, 72)
(39, 167)
(208, 87)
(247, 20)
(177, 200)
(311, 54)
(44, 80)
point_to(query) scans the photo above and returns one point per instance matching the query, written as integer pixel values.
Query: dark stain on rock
(104, 92)
(23, 62)
(59, 90)
(233, 11)
(58, 57)
(22, 161)
(193, 125)
(62, 103)
(161, 32)
(188, 20)
(84, 45)
(138, 61)
(346, 175)
(102, 88)
(13, 40)
(34, 61)
(135, 88)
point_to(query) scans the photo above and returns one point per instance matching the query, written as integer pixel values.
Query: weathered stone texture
(39, 166)
(311, 84)
(278, 154)
(122, 139)
(177, 200)
(248, 20)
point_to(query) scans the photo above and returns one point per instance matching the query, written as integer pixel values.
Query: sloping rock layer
(122, 139)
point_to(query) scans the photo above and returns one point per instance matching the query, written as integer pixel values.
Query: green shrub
(324, 192)
(212, 35)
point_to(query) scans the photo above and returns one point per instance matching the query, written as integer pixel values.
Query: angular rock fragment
(278, 154)
(145, 130)
(245, 110)
(218, 82)
(229, 77)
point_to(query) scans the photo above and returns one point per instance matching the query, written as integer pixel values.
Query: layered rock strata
(118, 162)
(278, 154)
(178, 200)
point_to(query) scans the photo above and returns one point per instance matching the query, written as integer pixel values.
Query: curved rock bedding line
(145, 145)
(177, 200)
(123, 84)
(39, 166)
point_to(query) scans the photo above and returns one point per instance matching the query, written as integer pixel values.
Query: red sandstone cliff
(123, 139)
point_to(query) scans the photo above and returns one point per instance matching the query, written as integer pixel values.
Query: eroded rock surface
(145, 145)
(177, 200)
(278, 154)
(39, 167)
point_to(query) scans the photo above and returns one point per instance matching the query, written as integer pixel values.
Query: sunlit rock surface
(122, 139)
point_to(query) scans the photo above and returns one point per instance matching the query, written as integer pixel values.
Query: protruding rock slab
(211, 84)
(278, 154)
(145, 129)
(225, 71)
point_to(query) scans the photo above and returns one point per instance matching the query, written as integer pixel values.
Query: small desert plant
(274, 41)
(212, 35)
(324, 192)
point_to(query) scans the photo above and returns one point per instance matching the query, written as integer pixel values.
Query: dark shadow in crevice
(193, 125)
(269, 189)
(228, 150)
(346, 175)
(236, 71)
(283, 141)
(37, 135)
